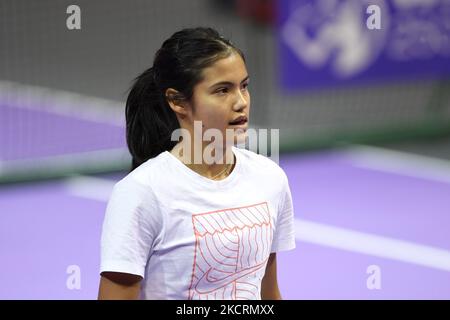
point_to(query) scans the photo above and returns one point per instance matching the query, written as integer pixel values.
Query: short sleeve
(284, 233)
(131, 224)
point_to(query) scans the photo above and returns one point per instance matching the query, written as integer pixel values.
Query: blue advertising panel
(325, 43)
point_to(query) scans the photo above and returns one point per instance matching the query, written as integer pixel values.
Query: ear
(177, 102)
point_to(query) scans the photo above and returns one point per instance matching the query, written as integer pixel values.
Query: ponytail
(149, 120)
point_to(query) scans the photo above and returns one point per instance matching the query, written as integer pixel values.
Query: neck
(208, 160)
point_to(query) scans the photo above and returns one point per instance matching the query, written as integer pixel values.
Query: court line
(372, 244)
(90, 187)
(398, 162)
(310, 232)
(63, 103)
(117, 158)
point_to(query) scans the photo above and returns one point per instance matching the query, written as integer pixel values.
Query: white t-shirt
(191, 237)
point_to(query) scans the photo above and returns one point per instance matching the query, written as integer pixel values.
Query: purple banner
(337, 42)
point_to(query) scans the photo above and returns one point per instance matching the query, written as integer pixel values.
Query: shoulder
(261, 163)
(142, 181)
(145, 175)
(133, 198)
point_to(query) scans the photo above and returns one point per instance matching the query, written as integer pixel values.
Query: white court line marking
(397, 162)
(90, 187)
(107, 157)
(371, 244)
(62, 102)
(311, 232)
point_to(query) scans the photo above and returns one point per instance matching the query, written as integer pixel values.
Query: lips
(239, 120)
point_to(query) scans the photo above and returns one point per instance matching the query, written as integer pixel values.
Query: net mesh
(62, 91)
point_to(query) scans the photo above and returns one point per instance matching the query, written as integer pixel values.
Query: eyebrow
(228, 83)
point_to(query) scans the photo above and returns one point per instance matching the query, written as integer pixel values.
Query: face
(222, 97)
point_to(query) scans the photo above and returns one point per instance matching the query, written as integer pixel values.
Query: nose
(242, 101)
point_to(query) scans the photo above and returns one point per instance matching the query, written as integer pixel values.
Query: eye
(245, 86)
(222, 90)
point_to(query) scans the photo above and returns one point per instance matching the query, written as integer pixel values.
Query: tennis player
(194, 218)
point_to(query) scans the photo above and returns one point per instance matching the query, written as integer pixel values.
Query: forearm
(270, 292)
(269, 283)
(116, 288)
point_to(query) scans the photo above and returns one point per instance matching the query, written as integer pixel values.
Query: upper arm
(284, 230)
(117, 285)
(131, 227)
(269, 284)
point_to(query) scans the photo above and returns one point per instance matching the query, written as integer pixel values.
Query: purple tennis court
(355, 96)
(350, 219)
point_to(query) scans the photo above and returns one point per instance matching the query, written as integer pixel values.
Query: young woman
(180, 226)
